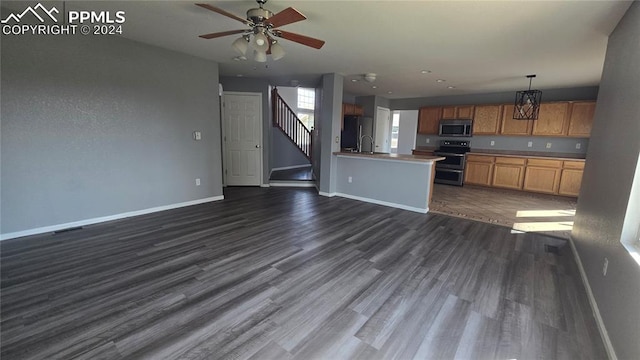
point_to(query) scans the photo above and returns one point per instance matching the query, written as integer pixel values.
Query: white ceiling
(476, 46)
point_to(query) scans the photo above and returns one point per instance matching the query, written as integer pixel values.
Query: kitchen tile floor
(522, 211)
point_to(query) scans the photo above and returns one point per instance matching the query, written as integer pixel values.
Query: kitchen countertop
(386, 156)
(529, 154)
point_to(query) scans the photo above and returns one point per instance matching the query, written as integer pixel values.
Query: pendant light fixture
(527, 103)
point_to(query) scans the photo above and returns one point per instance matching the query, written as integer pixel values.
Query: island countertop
(391, 157)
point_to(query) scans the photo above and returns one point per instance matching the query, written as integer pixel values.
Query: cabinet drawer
(510, 160)
(574, 165)
(481, 158)
(545, 163)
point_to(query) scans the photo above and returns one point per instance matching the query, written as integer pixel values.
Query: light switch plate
(197, 135)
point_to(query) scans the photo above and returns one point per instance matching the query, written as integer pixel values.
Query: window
(395, 129)
(630, 236)
(306, 106)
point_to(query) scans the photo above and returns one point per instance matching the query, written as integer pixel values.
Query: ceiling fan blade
(286, 16)
(223, 12)
(301, 39)
(220, 34)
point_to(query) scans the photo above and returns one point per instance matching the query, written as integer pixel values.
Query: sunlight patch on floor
(544, 226)
(545, 213)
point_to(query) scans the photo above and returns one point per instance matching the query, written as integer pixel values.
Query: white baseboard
(302, 184)
(85, 222)
(594, 305)
(265, 185)
(289, 168)
(384, 203)
(322, 193)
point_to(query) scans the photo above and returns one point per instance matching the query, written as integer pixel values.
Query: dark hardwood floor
(287, 274)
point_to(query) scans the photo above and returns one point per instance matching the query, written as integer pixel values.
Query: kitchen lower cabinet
(479, 170)
(571, 178)
(508, 172)
(542, 176)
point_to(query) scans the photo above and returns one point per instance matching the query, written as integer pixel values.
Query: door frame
(224, 136)
(389, 124)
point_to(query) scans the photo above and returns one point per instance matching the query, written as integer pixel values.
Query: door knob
(257, 146)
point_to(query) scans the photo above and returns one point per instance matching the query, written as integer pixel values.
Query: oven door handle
(447, 154)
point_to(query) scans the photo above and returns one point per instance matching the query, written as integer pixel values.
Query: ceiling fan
(263, 25)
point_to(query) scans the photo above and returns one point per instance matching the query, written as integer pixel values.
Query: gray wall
(330, 113)
(100, 125)
(606, 187)
(380, 180)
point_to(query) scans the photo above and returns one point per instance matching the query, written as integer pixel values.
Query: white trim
(322, 193)
(289, 168)
(594, 306)
(385, 203)
(265, 185)
(301, 184)
(52, 228)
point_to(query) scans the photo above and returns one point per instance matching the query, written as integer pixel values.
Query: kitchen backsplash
(514, 143)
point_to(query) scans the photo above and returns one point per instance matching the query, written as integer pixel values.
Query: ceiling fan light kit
(370, 77)
(527, 104)
(264, 26)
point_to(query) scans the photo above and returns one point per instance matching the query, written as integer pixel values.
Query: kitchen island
(401, 181)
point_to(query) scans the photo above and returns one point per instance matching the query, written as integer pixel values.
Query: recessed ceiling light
(425, 72)
(441, 80)
(354, 80)
(451, 87)
(374, 87)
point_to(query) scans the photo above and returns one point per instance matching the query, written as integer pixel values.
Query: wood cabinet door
(448, 112)
(464, 112)
(509, 126)
(508, 176)
(429, 119)
(348, 109)
(570, 182)
(553, 119)
(478, 173)
(581, 118)
(486, 119)
(358, 110)
(542, 179)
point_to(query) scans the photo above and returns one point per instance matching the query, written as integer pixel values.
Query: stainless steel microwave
(460, 128)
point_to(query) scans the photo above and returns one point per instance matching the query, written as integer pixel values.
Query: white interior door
(243, 138)
(383, 130)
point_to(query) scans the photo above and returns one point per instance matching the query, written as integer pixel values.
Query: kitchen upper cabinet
(348, 109)
(571, 178)
(479, 170)
(581, 118)
(457, 112)
(448, 112)
(508, 172)
(542, 176)
(510, 126)
(429, 119)
(553, 119)
(486, 119)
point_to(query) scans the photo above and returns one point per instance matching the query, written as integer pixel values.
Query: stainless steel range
(451, 170)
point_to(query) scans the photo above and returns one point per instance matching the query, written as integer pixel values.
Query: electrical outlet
(578, 145)
(605, 266)
(548, 145)
(530, 144)
(337, 139)
(428, 140)
(197, 135)
(492, 143)
(350, 179)
(197, 182)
